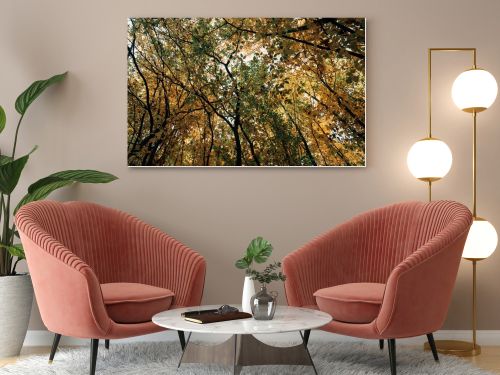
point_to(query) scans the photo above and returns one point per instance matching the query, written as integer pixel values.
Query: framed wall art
(246, 92)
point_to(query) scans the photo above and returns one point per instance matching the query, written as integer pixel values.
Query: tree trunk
(237, 145)
(250, 144)
(209, 122)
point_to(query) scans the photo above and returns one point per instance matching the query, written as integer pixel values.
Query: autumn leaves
(249, 92)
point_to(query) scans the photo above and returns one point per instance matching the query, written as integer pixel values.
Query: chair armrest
(67, 290)
(419, 289)
(321, 263)
(165, 262)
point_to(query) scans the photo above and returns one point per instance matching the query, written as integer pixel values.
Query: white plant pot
(16, 298)
(248, 292)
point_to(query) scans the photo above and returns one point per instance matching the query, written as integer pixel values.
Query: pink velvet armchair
(99, 273)
(385, 274)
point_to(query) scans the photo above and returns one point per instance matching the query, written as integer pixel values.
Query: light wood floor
(488, 360)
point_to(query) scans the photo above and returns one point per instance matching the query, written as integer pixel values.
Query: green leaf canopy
(29, 95)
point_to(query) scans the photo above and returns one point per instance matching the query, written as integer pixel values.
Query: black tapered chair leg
(106, 344)
(392, 355)
(307, 333)
(182, 339)
(94, 346)
(55, 344)
(381, 344)
(432, 344)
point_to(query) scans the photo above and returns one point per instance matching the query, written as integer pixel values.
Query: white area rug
(161, 358)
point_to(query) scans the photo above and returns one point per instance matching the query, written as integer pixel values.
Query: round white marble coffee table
(242, 348)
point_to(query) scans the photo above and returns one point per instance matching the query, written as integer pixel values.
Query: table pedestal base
(246, 350)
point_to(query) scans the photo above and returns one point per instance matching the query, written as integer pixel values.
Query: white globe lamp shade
(429, 159)
(474, 90)
(481, 241)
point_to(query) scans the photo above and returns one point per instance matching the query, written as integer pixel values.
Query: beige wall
(82, 124)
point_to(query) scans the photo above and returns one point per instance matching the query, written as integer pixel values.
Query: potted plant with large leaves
(16, 291)
(258, 251)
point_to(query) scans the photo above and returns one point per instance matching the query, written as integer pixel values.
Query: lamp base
(456, 348)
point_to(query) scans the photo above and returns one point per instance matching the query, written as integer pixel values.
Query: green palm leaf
(259, 250)
(41, 193)
(43, 187)
(75, 175)
(15, 250)
(3, 119)
(85, 176)
(4, 159)
(10, 172)
(29, 95)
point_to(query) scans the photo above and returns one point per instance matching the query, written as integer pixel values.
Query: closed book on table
(212, 317)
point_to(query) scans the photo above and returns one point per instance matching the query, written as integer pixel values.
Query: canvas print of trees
(246, 91)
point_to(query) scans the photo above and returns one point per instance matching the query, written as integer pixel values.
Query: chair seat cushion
(351, 303)
(135, 303)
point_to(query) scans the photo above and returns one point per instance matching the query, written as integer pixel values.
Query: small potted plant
(258, 251)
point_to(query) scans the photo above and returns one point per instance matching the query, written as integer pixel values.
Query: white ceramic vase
(248, 292)
(16, 298)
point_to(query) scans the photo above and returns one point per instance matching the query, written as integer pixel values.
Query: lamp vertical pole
(429, 105)
(474, 166)
(475, 349)
(429, 89)
(474, 215)
(474, 310)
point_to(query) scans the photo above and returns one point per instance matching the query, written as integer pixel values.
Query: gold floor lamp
(430, 159)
